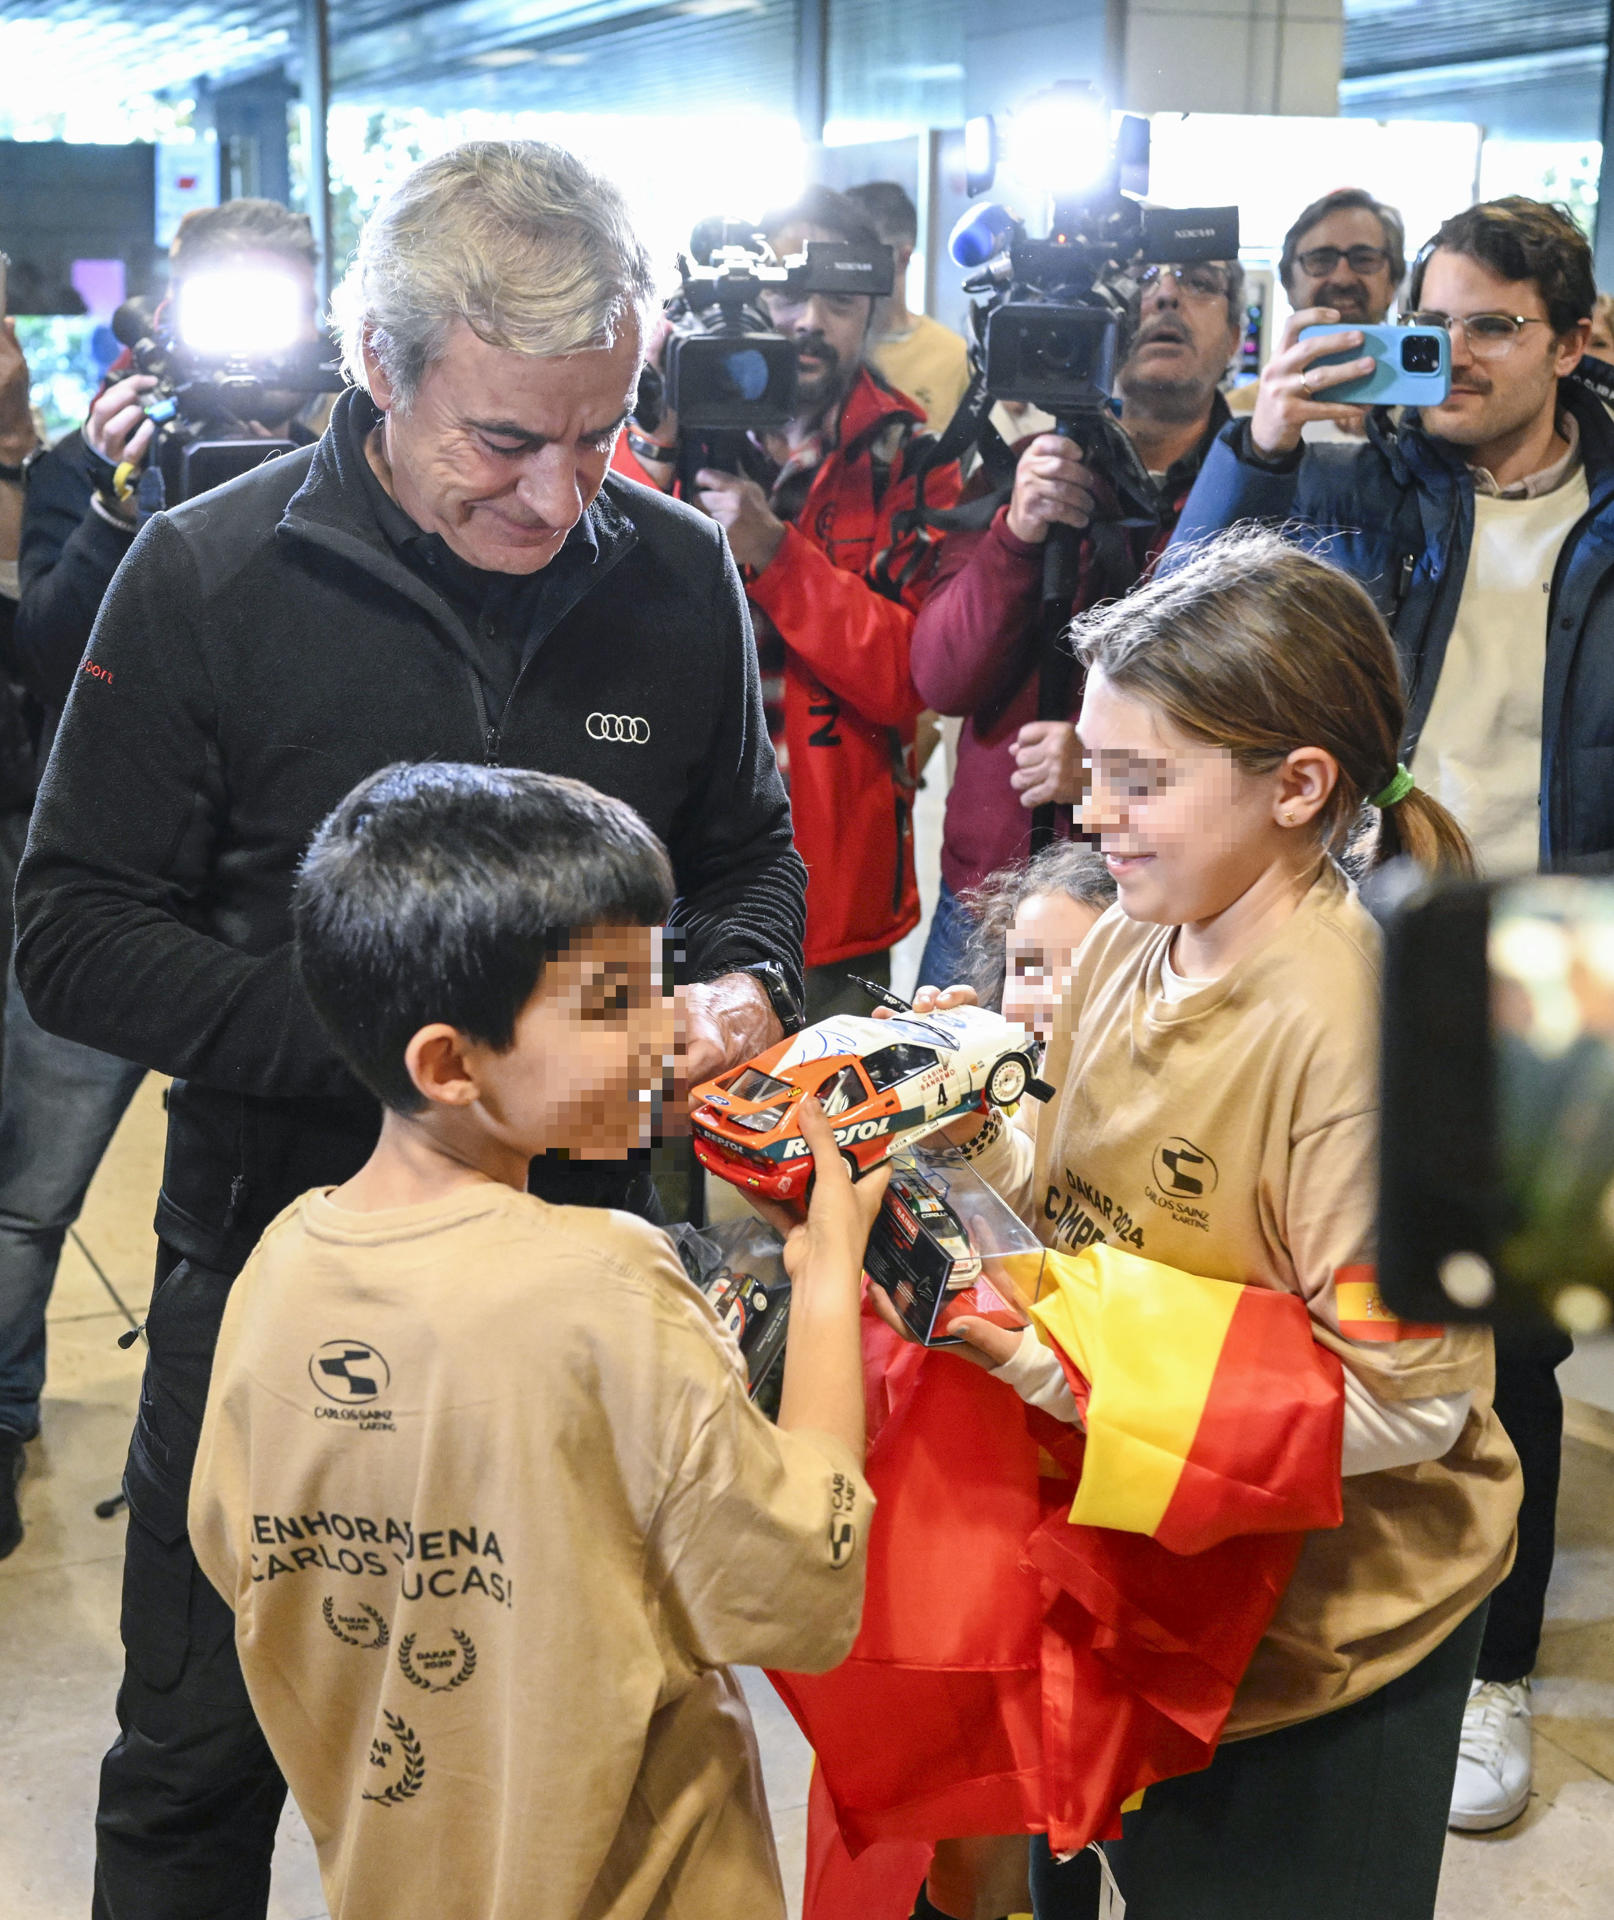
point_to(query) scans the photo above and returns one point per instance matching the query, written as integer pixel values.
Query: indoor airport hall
(911, 708)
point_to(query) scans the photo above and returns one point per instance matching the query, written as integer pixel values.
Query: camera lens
(1061, 350)
(745, 374)
(1420, 354)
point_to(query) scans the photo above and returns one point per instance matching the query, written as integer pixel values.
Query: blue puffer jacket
(1398, 513)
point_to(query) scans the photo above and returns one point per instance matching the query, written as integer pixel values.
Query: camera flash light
(241, 313)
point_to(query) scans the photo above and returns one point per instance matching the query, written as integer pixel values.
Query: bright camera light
(241, 313)
(1061, 141)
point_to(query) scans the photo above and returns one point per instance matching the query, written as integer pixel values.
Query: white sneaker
(1493, 1760)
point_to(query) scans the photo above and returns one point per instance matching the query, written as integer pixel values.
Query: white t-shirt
(1480, 750)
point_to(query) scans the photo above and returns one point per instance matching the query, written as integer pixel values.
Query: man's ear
(437, 1059)
(375, 376)
(1571, 346)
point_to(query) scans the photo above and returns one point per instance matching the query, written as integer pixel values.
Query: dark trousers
(190, 1795)
(1530, 1406)
(1340, 1818)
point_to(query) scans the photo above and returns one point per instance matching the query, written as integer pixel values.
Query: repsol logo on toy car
(861, 1130)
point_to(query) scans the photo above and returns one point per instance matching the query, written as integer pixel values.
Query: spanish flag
(1054, 1621)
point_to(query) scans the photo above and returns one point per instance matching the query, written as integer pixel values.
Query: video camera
(729, 373)
(229, 348)
(1055, 324)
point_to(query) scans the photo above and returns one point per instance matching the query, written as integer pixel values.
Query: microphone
(976, 233)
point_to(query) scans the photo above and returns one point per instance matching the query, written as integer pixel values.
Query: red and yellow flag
(1027, 1662)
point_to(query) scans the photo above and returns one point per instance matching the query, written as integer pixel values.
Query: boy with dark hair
(478, 1474)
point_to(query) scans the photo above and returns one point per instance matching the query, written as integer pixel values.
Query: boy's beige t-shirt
(1235, 1134)
(481, 1481)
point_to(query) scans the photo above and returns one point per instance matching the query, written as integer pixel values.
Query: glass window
(892, 1064)
(842, 1091)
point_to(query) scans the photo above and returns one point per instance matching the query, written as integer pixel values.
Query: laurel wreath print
(467, 1647)
(408, 1783)
(382, 1634)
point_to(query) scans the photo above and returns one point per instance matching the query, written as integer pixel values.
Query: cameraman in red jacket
(833, 593)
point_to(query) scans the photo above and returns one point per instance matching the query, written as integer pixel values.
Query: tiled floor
(59, 1656)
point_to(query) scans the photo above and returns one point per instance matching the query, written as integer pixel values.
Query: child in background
(1029, 921)
(478, 1474)
(1216, 1067)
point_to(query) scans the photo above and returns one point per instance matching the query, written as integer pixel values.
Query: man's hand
(17, 436)
(1290, 391)
(726, 1022)
(1051, 486)
(741, 508)
(1047, 764)
(117, 428)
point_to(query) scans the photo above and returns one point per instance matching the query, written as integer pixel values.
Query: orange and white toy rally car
(881, 1083)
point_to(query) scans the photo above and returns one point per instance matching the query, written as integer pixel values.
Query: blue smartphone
(1412, 365)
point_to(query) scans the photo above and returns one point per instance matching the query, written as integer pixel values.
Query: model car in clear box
(882, 1084)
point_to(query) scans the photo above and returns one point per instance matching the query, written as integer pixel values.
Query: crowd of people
(374, 798)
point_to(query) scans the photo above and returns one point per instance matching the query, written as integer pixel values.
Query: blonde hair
(1256, 646)
(532, 249)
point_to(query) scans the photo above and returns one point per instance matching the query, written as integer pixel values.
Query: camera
(1497, 1136)
(729, 372)
(1420, 354)
(1055, 324)
(228, 348)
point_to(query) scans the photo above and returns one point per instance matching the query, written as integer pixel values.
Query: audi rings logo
(626, 728)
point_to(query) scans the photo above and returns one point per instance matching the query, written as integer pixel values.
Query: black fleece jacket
(261, 650)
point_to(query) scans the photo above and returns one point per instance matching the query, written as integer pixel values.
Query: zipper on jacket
(490, 748)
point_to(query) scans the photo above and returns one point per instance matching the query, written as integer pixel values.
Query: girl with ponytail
(1216, 1062)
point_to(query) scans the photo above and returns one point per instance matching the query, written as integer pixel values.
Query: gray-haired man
(448, 575)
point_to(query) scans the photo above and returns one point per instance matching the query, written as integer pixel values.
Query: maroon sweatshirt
(974, 653)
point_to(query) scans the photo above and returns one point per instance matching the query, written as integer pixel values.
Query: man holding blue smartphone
(1483, 526)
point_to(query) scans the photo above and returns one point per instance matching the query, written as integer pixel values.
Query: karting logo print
(1183, 1169)
(349, 1372)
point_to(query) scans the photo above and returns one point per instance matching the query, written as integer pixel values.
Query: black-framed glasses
(1193, 283)
(1489, 335)
(1319, 262)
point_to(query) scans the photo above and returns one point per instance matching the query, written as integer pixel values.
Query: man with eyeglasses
(1484, 529)
(981, 638)
(1347, 251)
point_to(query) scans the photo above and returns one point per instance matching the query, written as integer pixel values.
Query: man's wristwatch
(18, 472)
(771, 977)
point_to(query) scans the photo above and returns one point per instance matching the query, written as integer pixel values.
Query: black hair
(824, 207)
(1070, 867)
(1522, 239)
(1345, 200)
(441, 891)
(889, 207)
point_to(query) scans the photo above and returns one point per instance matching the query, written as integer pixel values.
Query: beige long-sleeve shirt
(481, 1481)
(1233, 1132)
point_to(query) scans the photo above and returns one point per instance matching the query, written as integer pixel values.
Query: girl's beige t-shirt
(1235, 1134)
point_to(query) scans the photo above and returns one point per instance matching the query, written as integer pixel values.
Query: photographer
(833, 594)
(1346, 251)
(1483, 527)
(61, 1102)
(19, 453)
(443, 577)
(918, 355)
(980, 639)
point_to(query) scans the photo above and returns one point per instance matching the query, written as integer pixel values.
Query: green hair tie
(1399, 786)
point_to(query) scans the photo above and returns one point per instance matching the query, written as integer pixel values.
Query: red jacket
(973, 654)
(842, 591)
